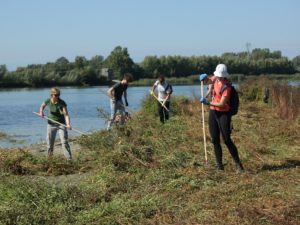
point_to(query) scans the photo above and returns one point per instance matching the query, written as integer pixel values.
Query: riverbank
(146, 173)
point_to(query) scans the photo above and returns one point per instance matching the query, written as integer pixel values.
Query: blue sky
(40, 31)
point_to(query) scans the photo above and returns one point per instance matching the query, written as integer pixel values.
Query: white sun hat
(221, 71)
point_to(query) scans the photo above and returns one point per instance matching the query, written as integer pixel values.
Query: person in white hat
(219, 120)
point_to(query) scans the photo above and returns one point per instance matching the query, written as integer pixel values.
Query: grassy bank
(148, 173)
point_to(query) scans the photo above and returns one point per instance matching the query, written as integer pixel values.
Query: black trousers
(163, 113)
(220, 123)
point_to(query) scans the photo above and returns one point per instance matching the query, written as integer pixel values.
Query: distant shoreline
(190, 80)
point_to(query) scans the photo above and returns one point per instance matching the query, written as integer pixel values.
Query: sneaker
(220, 167)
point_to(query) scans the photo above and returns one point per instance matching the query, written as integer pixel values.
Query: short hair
(55, 91)
(161, 77)
(128, 77)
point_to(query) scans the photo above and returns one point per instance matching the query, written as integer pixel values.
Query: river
(23, 127)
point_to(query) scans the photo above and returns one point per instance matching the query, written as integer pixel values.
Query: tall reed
(286, 100)
(282, 97)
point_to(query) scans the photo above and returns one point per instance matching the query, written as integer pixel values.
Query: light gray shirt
(163, 90)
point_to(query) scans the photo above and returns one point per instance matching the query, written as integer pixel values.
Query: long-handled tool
(151, 93)
(54, 121)
(204, 135)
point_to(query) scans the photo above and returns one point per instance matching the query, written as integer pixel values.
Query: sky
(41, 31)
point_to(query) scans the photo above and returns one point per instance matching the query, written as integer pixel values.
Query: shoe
(220, 167)
(240, 167)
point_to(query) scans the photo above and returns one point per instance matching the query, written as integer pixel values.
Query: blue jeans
(116, 105)
(63, 135)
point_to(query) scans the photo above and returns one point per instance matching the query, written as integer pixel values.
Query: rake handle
(159, 101)
(54, 121)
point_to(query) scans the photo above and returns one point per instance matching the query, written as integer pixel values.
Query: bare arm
(42, 107)
(209, 79)
(169, 92)
(168, 96)
(110, 93)
(67, 117)
(208, 92)
(153, 88)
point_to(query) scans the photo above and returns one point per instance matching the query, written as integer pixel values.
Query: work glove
(203, 77)
(151, 92)
(126, 103)
(204, 101)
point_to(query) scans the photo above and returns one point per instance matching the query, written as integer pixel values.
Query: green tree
(276, 55)
(3, 71)
(62, 66)
(296, 63)
(62, 61)
(150, 65)
(35, 76)
(96, 64)
(119, 61)
(96, 61)
(259, 53)
(80, 62)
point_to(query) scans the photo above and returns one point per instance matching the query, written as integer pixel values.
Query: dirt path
(41, 148)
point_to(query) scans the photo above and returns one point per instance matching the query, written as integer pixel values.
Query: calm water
(23, 127)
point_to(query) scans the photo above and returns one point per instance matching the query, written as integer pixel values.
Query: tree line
(89, 72)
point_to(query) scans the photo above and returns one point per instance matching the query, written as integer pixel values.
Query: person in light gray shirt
(164, 91)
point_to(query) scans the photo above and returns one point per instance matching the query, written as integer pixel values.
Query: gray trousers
(63, 135)
(116, 105)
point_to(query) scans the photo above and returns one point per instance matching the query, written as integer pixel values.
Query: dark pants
(220, 122)
(163, 113)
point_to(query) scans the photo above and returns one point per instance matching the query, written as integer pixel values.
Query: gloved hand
(151, 92)
(203, 77)
(204, 101)
(126, 103)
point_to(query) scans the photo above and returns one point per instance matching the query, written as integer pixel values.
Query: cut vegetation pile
(148, 173)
